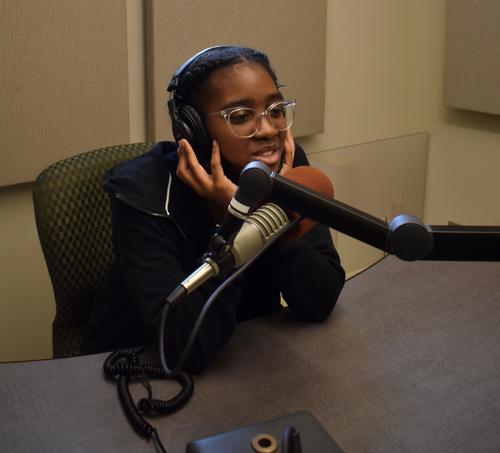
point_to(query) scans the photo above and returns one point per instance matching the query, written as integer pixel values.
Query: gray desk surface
(409, 361)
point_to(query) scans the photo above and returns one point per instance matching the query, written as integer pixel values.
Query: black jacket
(161, 228)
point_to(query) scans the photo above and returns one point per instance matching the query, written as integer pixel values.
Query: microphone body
(307, 191)
(253, 187)
(263, 225)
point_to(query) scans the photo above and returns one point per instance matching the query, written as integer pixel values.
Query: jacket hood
(145, 182)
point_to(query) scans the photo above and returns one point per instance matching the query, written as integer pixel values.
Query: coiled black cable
(124, 364)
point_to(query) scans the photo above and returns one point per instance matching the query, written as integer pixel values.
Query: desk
(409, 361)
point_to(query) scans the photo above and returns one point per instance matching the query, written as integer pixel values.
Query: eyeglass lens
(245, 121)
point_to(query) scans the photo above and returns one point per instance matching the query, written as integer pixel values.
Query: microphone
(264, 225)
(302, 190)
(253, 186)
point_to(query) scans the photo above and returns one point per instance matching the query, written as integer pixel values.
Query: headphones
(186, 122)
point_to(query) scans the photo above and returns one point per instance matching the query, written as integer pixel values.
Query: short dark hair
(197, 72)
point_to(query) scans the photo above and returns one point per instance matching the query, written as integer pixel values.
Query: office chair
(73, 219)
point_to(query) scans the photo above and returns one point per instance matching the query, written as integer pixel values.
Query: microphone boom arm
(405, 236)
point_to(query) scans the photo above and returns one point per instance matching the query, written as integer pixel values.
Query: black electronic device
(186, 121)
(271, 437)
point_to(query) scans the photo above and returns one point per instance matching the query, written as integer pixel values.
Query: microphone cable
(124, 364)
(177, 294)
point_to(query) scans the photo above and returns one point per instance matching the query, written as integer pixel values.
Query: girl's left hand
(289, 152)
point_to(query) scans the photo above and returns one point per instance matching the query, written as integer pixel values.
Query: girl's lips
(269, 155)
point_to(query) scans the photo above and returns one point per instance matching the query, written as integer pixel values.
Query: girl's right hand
(216, 188)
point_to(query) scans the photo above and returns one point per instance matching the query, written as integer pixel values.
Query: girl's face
(243, 85)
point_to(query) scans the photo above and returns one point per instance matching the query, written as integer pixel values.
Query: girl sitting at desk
(166, 204)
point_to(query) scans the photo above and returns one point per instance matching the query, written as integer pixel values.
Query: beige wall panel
(64, 81)
(383, 178)
(291, 32)
(26, 298)
(472, 69)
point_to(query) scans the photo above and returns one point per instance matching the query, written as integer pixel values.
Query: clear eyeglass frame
(287, 106)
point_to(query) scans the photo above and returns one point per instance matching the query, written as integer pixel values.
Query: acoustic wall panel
(472, 68)
(64, 82)
(291, 32)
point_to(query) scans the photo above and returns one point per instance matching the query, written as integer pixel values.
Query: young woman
(167, 203)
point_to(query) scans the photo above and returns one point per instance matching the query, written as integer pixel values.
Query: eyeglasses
(244, 122)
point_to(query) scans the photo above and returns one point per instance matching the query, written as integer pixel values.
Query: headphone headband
(174, 82)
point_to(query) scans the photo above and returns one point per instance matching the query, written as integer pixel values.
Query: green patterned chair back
(73, 220)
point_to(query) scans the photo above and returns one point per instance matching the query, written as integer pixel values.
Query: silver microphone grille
(258, 228)
(268, 219)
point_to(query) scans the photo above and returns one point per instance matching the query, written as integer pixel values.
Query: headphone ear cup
(194, 132)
